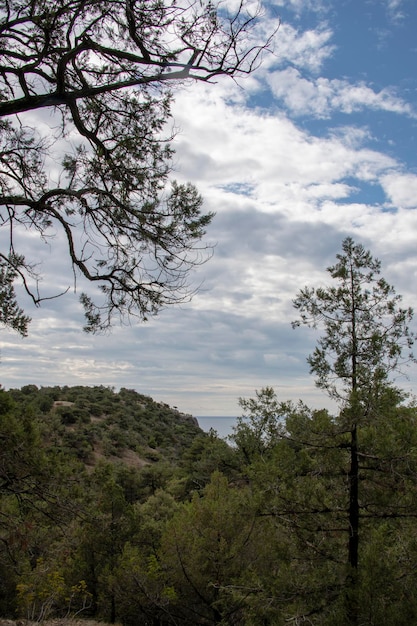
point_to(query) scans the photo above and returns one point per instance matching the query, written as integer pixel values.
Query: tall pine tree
(366, 338)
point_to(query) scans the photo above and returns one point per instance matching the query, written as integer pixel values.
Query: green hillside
(119, 509)
(94, 423)
(86, 474)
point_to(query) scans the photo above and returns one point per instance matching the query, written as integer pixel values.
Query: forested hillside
(93, 423)
(118, 508)
(87, 475)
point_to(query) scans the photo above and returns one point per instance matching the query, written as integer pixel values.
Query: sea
(223, 425)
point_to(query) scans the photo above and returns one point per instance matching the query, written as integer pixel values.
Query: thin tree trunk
(353, 548)
(113, 609)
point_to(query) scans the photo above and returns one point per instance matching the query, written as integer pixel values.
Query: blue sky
(318, 144)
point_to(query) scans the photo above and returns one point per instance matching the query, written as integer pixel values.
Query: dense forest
(120, 508)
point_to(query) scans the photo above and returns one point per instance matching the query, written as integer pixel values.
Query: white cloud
(298, 6)
(395, 9)
(401, 189)
(321, 97)
(308, 49)
(278, 166)
(352, 136)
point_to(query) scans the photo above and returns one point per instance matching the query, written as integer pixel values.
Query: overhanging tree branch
(105, 69)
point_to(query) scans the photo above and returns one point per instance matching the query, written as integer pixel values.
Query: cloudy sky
(318, 144)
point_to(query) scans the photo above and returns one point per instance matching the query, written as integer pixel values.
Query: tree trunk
(113, 609)
(353, 548)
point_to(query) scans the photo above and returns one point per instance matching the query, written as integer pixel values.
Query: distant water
(221, 424)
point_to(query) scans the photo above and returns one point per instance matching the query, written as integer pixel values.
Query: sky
(318, 144)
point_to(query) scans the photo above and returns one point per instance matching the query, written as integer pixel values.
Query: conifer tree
(366, 338)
